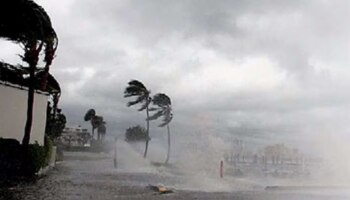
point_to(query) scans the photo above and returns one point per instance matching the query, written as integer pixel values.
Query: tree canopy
(136, 134)
(163, 103)
(136, 88)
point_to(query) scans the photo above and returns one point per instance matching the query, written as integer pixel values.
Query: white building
(13, 113)
(75, 136)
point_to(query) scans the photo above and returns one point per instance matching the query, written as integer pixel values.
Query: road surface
(93, 176)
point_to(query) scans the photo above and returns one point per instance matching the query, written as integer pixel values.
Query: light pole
(115, 152)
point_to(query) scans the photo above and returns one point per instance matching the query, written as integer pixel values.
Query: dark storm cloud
(250, 67)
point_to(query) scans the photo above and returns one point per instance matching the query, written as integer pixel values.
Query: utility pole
(115, 153)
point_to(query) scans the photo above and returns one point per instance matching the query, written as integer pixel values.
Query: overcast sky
(252, 69)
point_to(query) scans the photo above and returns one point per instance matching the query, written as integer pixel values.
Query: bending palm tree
(25, 22)
(95, 120)
(137, 89)
(163, 103)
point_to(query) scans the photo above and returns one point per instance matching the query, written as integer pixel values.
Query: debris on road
(160, 189)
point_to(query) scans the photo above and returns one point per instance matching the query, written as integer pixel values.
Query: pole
(115, 153)
(221, 169)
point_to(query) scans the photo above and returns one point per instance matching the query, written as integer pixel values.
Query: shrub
(10, 162)
(16, 159)
(136, 134)
(33, 160)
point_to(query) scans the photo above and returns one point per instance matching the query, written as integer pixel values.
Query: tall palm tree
(27, 23)
(137, 89)
(94, 119)
(163, 103)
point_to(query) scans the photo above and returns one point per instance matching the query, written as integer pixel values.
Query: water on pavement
(85, 175)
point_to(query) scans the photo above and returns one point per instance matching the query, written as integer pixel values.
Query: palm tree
(137, 89)
(163, 103)
(95, 120)
(101, 130)
(27, 23)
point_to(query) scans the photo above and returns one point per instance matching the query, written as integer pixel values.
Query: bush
(16, 159)
(10, 162)
(136, 134)
(34, 159)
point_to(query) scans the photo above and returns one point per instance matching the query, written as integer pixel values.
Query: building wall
(13, 110)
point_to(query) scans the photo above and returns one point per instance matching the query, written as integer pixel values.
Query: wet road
(92, 176)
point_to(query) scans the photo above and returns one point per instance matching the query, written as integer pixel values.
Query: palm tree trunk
(31, 56)
(55, 102)
(168, 154)
(147, 139)
(30, 103)
(92, 132)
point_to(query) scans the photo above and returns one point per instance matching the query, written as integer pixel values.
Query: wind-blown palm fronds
(89, 114)
(94, 119)
(163, 103)
(163, 109)
(27, 23)
(136, 89)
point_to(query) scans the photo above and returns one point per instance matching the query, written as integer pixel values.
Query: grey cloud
(104, 44)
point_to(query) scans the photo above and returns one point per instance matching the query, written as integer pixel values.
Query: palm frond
(166, 120)
(144, 106)
(137, 83)
(136, 88)
(133, 91)
(161, 100)
(156, 115)
(96, 121)
(138, 100)
(163, 103)
(153, 109)
(89, 114)
(23, 21)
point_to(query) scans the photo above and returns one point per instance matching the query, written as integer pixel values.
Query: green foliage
(163, 103)
(16, 159)
(161, 100)
(55, 125)
(33, 29)
(137, 89)
(89, 114)
(34, 159)
(136, 134)
(10, 162)
(32, 24)
(96, 120)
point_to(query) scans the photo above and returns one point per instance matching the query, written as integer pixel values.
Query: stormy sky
(251, 69)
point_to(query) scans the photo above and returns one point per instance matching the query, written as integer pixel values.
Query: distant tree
(55, 124)
(27, 23)
(136, 134)
(101, 131)
(163, 103)
(95, 120)
(142, 94)
(277, 153)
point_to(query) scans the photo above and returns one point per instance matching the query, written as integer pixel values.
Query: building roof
(19, 75)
